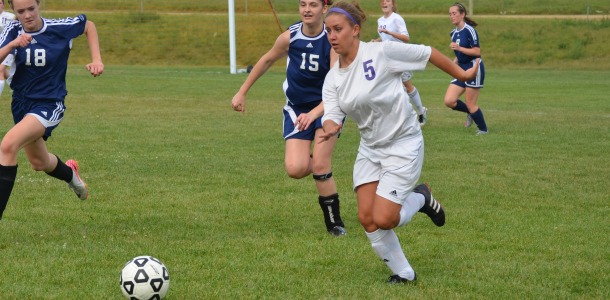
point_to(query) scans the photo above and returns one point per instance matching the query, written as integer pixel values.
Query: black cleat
(395, 279)
(337, 231)
(432, 208)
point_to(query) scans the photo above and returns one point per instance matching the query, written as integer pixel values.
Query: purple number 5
(369, 71)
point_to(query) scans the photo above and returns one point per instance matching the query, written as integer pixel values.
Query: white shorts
(406, 76)
(397, 167)
(9, 60)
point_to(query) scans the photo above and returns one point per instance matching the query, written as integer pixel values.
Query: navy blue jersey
(40, 73)
(467, 37)
(307, 64)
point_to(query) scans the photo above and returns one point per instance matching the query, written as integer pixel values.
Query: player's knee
(385, 222)
(450, 102)
(320, 167)
(296, 171)
(366, 220)
(8, 148)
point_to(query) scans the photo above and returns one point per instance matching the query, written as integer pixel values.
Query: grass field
(175, 173)
(561, 7)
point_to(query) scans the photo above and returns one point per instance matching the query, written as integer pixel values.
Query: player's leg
(297, 159)
(454, 91)
(472, 95)
(41, 160)
(473, 89)
(325, 183)
(23, 133)
(384, 241)
(415, 98)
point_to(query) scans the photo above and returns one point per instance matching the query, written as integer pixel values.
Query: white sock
(386, 245)
(1, 86)
(414, 202)
(416, 100)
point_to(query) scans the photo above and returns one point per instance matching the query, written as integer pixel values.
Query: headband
(342, 11)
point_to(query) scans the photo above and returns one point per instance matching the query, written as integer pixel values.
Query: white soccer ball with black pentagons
(144, 278)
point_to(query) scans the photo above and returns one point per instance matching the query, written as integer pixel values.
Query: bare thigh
(297, 160)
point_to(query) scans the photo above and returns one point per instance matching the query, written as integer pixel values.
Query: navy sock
(478, 119)
(7, 181)
(330, 207)
(461, 106)
(61, 171)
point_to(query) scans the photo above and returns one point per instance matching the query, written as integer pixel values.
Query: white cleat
(77, 185)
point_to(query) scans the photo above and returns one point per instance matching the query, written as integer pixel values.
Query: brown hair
(353, 9)
(462, 10)
(10, 2)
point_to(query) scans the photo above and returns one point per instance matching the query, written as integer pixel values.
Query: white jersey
(5, 19)
(393, 23)
(370, 91)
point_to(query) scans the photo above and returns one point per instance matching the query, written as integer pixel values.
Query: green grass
(176, 174)
(562, 7)
(129, 39)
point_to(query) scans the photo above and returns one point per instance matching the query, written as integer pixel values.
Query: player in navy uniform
(465, 45)
(309, 58)
(41, 48)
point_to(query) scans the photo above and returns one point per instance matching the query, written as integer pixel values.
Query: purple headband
(342, 11)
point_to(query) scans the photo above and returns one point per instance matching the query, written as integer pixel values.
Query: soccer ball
(144, 278)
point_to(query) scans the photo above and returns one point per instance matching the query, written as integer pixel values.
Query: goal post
(232, 47)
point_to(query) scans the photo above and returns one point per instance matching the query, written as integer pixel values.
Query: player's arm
(444, 63)
(401, 33)
(279, 50)
(96, 67)
(475, 51)
(403, 37)
(19, 42)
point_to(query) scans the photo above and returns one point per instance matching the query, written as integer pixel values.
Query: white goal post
(232, 55)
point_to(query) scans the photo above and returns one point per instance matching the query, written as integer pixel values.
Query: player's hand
(329, 130)
(472, 72)
(303, 121)
(454, 46)
(95, 68)
(239, 103)
(21, 41)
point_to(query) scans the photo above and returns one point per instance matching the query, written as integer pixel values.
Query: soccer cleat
(337, 231)
(423, 117)
(395, 279)
(468, 121)
(77, 185)
(481, 132)
(431, 207)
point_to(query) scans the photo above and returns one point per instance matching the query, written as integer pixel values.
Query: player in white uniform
(392, 27)
(5, 19)
(365, 84)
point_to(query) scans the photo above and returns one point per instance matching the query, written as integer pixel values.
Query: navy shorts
(291, 112)
(49, 113)
(477, 82)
